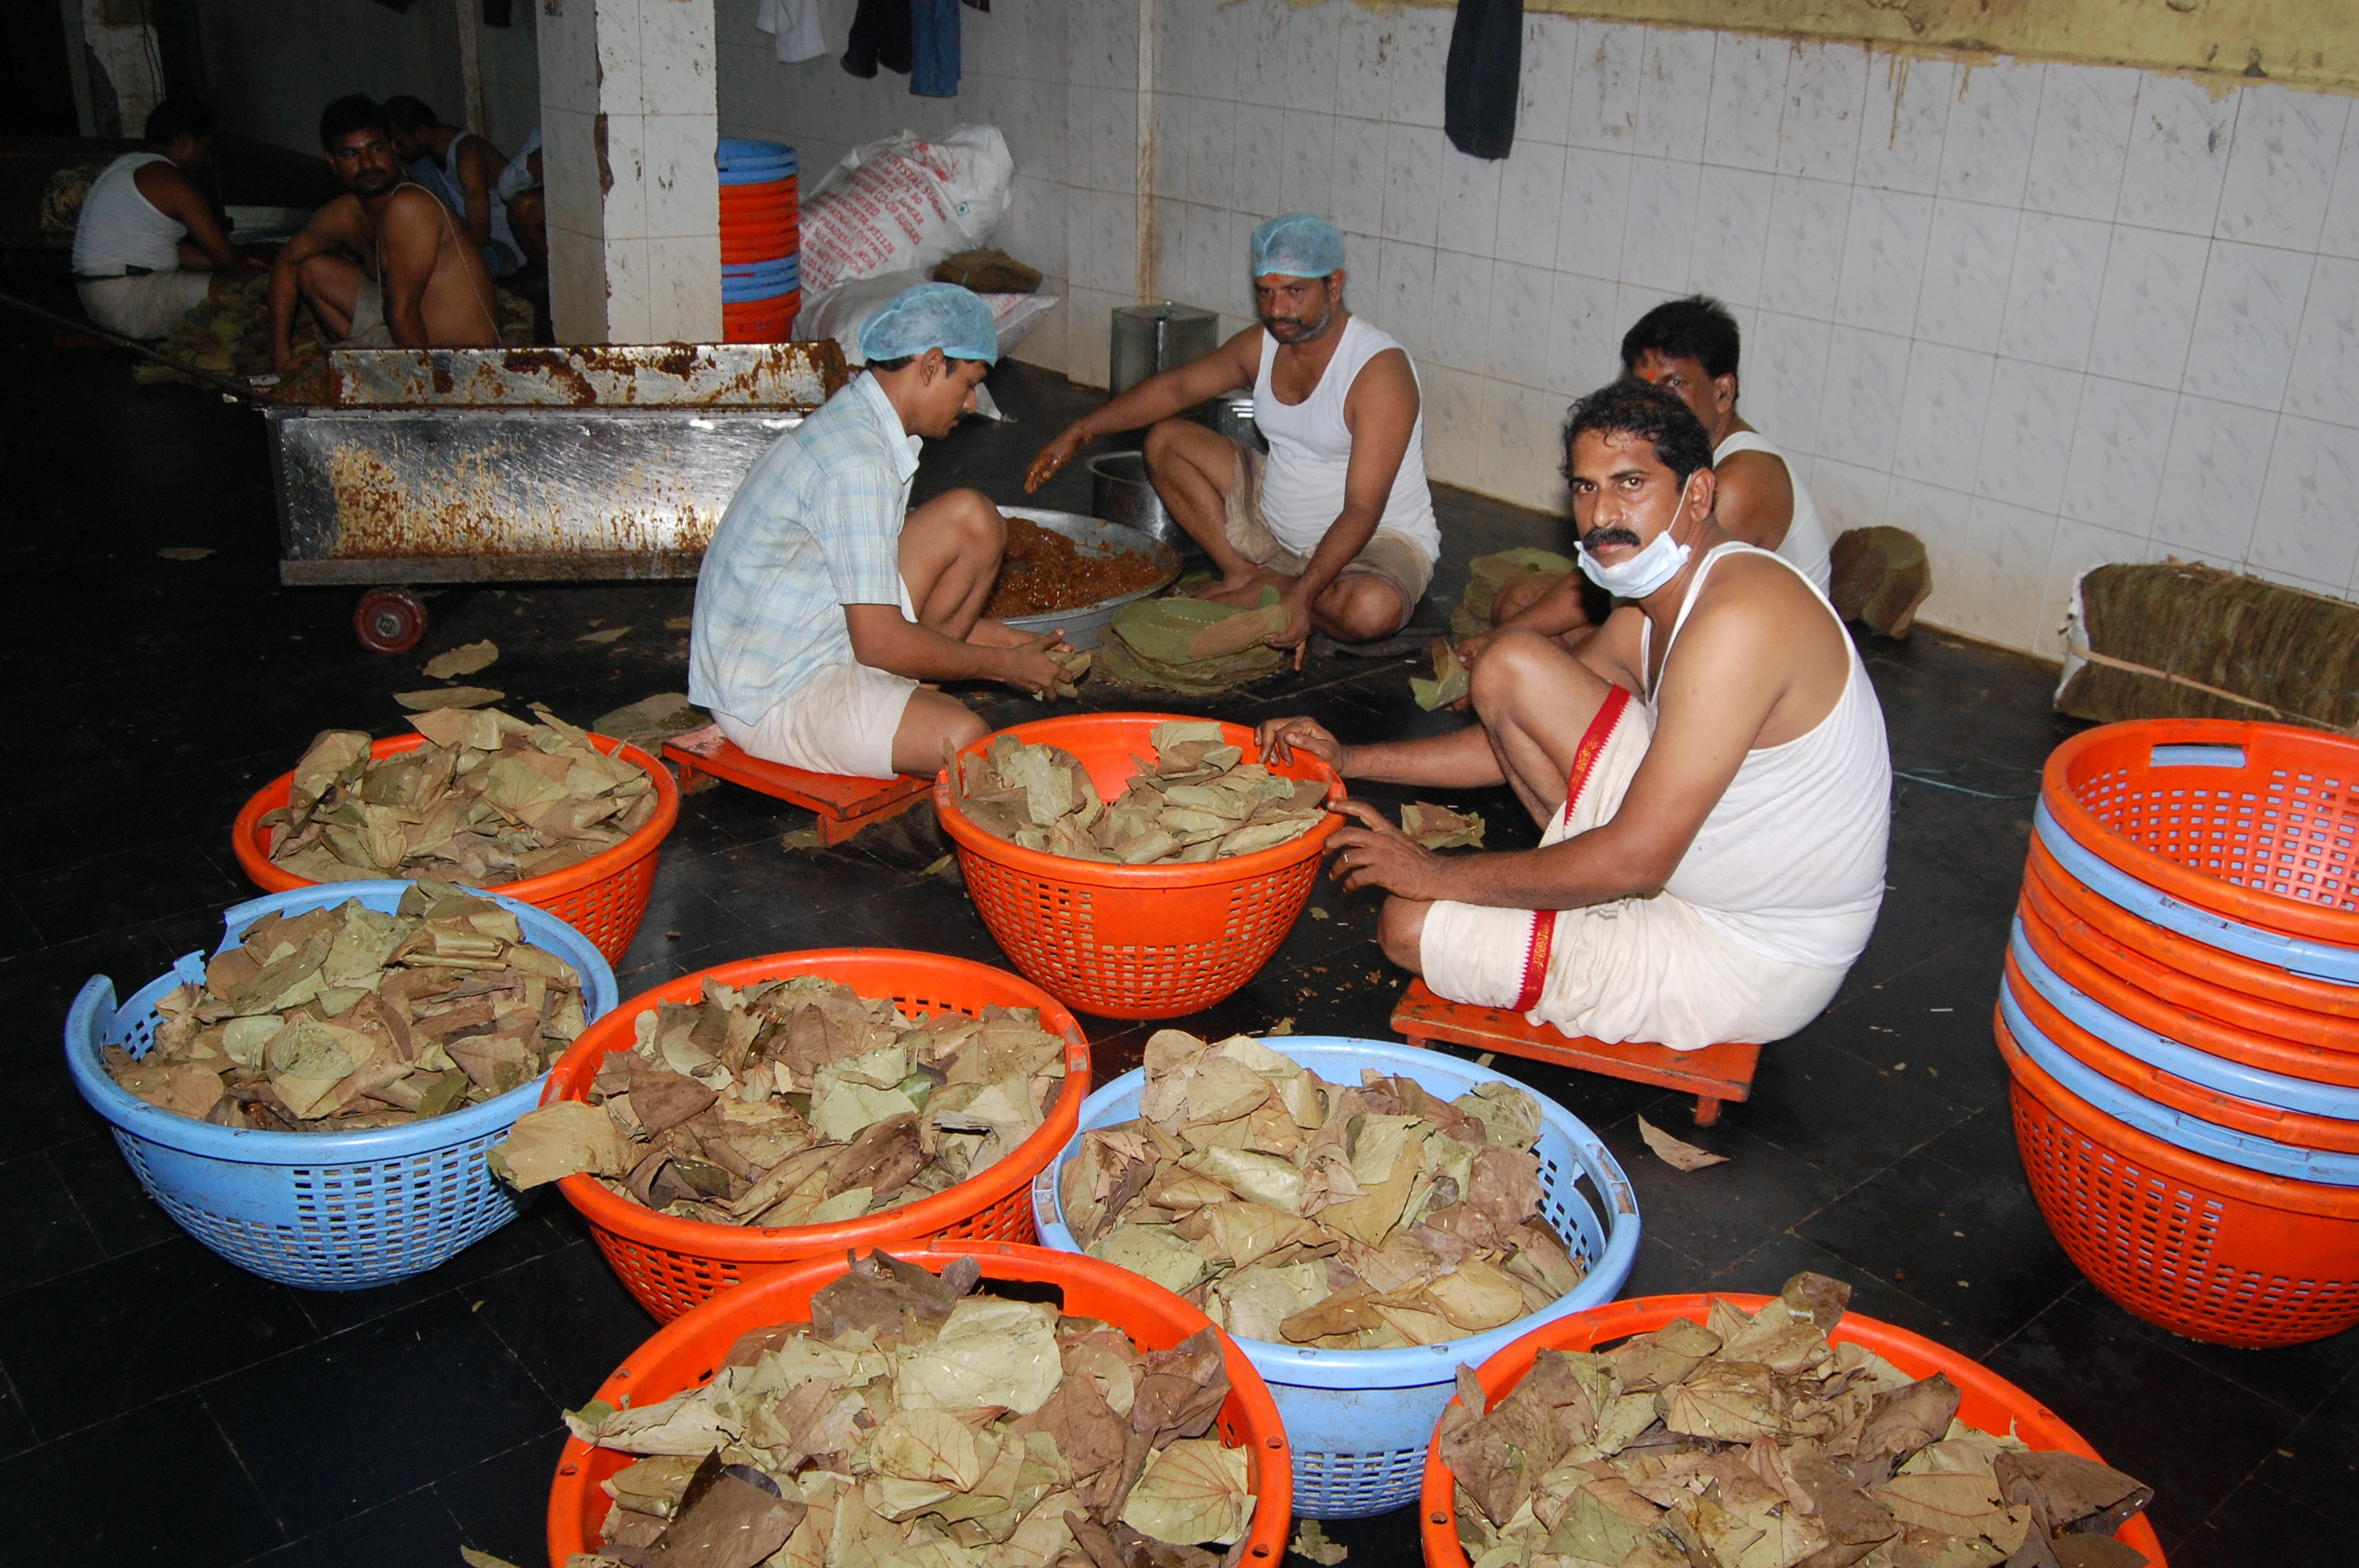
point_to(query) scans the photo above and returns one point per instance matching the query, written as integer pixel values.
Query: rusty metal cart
(524, 465)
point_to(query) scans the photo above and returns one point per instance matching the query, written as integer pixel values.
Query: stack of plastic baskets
(328, 1211)
(1358, 1421)
(761, 242)
(2180, 1016)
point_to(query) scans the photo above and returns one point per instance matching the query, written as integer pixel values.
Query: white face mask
(1654, 565)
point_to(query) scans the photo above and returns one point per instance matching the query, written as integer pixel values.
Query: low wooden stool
(843, 805)
(1714, 1073)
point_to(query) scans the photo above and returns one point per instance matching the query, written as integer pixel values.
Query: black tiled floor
(142, 701)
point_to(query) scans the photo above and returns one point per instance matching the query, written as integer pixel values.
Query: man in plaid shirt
(824, 601)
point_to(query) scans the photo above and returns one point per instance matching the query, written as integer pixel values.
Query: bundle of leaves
(1200, 801)
(1193, 645)
(1750, 1440)
(913, 1422)
(488, 799)
(344, 1019)
(1486, 575)
(795, 1102)
(1303, 1212)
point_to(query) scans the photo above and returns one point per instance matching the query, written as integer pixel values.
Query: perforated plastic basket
(687, 1352)
(1358, 1419)
(2253, 824)
(2200, 1247)
(1987, 1400)
(673, 1264)
(1136, 941)
(328, 1211)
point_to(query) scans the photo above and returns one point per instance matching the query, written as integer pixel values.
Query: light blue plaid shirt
(816, 526)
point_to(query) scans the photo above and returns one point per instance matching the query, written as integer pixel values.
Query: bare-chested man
(1339, 516)
(387, 265)
(1710, 769)
(1692, 346)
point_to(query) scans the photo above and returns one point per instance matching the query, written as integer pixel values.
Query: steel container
(1121, 492)
(1084, 627)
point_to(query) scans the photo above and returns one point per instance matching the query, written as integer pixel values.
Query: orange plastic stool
(844, 806)
(1714, 1074)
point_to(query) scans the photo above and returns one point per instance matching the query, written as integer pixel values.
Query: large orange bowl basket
(1987, 1400)
(673, 1264)
(1136, 941)
(687, 1353)
(604, 897)
(2198, 1246)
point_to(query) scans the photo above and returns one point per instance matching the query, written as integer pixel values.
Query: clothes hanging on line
(934, 26)
(1483, 77)
(880, 35)
(794, 27)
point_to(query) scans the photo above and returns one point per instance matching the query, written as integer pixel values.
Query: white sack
(903, 204)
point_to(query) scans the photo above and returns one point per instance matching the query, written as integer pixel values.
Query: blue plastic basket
(781, 275)
(739, 154)
(328, 1211)
(2174, 1127)
(2258, 1085)
(1358, 1421)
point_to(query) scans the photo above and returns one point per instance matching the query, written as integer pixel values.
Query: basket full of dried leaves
(315, 1101)
(799, 1103)
(1771, 1431)
(1359, 1213)
(1135, 865)
(553, 816)
(980, 1404)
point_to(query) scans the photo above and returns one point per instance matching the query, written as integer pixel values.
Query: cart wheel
(389, 620)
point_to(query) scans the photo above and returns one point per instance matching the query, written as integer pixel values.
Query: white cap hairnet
(931, 316)
(1298, 245)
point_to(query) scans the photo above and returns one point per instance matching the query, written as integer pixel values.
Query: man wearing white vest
(1338, 517)
(1710, 772)
(1690, 346)
(148, 247)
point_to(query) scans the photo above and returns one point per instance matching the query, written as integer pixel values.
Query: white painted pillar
(628, 124)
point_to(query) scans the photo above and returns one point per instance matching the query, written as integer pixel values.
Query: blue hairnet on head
(931, 316)
(1298, 245)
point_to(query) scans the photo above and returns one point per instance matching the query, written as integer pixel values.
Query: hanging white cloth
(794, 26)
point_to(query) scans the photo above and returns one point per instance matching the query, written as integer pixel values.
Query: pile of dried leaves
(1298, 1211)
(488, 799)
(350, 1017)
(1201, 800)
(1749, 1439)
(795, 1102)
(1193, 645)
(911, 1423)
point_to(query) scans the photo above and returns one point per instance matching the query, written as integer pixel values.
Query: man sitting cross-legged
(1713, 854)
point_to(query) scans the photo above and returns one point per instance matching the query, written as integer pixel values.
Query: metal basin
(1085, 625)
(1121, 492)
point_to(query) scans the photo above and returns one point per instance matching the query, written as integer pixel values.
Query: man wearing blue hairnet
(824, 601)
(1338, 515)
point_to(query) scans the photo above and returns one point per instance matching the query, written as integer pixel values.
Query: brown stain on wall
(2311, 44)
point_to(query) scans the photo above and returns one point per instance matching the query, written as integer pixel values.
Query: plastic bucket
(2198, 1246)
(686, 1354)
(1136, 941)
(604, 897)
(761, 320)
(1358, 1419)
(673, 1264)
(1987, 1400)
(327, 1211)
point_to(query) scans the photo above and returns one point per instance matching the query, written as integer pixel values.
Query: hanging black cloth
(1483, 77)
(881, 35)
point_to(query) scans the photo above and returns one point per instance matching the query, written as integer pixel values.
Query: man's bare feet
(1245, 591)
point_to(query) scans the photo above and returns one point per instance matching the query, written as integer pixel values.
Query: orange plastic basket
(688, 1352)
(2336, 1005)
(761, 320)
(604, 897)
(2241, 1027)
(1136, 941)
(2269, 842)
(1987, 1400)
(673, 1264)
(2199, 1247)
(2301, 1128)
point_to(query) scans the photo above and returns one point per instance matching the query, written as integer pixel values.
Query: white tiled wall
(1059, 80)
(2044, 316)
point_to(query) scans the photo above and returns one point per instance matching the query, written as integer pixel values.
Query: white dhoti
(1638, 968)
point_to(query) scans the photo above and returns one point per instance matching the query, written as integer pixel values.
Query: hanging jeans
(934, 30)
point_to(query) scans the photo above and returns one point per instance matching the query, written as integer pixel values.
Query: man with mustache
(386, 265)
(1710, 771)
(1338, 517)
